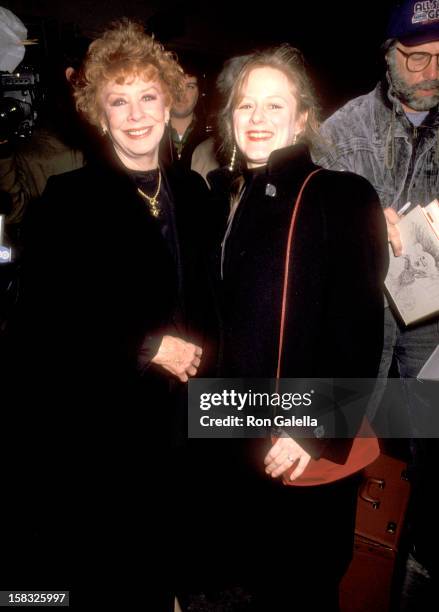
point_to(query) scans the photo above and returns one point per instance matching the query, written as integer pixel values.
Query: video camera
(20, 97)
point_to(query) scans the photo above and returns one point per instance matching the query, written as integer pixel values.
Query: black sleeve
(350, 348)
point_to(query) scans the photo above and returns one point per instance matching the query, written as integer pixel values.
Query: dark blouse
(148, 183)
(253, 250)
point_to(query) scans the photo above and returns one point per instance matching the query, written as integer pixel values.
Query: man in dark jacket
(186, 128)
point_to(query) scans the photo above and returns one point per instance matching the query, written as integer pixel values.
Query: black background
(340, 40)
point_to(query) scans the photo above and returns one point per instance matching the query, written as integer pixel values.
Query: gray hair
(405, 92)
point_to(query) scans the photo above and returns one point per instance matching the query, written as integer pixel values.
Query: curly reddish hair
(120, 54)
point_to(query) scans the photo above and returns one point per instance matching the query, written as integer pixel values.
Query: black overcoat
(334, 313)
(333, 329)
(99, 281)
(98, 271)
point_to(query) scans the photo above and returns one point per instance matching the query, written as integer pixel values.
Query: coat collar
(109, 170)
(294, 159)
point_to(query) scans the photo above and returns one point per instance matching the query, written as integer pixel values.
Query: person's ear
(387, 55)
(69, 72)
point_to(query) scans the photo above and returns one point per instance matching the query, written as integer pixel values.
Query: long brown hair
(288, 60)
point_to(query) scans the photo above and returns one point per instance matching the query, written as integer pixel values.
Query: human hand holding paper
(392, 219)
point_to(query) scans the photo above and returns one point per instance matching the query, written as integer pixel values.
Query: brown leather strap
(364, 449)
(287, 268)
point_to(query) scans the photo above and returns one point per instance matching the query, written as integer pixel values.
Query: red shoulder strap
(287, 269)
(364, 449)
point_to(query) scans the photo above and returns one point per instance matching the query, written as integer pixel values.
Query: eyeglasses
(418, 61)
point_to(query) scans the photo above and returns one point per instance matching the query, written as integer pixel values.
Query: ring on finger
(290, 458)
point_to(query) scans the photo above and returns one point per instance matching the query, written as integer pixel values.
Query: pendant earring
(104, 131)
(232, 159)
(294, 139)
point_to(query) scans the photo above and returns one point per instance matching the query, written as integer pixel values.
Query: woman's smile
(139, 132)
(255, 136)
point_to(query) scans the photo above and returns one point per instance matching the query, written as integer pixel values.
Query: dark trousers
(416, 405)
(282, 544)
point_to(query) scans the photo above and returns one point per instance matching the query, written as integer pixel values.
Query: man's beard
(407, 93)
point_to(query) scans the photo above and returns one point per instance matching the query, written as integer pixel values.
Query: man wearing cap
(391, 137)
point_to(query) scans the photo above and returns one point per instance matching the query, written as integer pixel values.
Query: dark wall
(340, 40)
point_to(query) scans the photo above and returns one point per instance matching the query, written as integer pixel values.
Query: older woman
(302, 283)
(112, 313)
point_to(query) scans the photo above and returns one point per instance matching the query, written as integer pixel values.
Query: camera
(20, 97)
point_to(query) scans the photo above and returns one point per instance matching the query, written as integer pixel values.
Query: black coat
(99, 281)
(168, 155)
(98, 271)
(334, 316)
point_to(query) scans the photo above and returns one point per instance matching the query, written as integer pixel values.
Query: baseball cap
(414, 23)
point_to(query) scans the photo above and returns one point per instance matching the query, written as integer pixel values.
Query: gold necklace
(152, 200)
